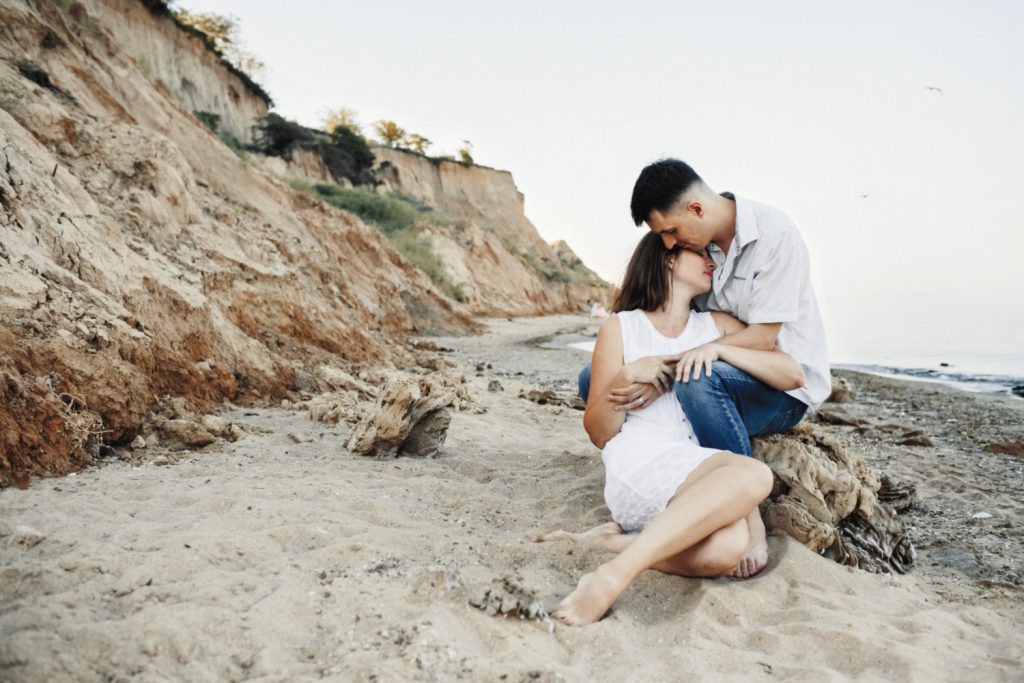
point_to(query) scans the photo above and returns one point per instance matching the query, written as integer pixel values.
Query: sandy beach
(283, 557)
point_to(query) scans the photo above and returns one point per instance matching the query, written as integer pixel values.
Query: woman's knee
(752, 477)
(760, 477)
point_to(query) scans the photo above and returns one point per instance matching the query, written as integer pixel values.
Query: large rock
(185, 434)
(411, 416)
(828, 499)
(842, 391)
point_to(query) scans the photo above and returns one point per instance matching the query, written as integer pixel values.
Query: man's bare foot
(591, 600)
(599, 535)
(755, 557)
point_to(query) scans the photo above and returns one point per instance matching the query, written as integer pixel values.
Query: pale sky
(803, 105)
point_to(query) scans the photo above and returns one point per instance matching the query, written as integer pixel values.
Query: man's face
(682, 225)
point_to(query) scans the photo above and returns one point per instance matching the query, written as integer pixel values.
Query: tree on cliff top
(342, 117)
(465, 152)
(417, 143)
(389, 132)
(221, 34)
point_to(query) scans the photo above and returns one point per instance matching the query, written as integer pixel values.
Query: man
(762, 277)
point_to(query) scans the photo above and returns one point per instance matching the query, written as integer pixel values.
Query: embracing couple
(716, 338)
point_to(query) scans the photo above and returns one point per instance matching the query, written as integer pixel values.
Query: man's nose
(669, 240)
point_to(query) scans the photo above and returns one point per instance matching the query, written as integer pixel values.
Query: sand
(281, 557)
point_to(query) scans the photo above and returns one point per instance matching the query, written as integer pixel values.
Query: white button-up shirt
(765, 278)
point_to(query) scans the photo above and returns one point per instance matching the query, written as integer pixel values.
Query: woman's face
(693, 269)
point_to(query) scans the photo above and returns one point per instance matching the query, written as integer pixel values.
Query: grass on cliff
(560, 272)
(212, 121)
(398, 217)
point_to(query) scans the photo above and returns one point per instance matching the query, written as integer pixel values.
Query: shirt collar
(746, 223)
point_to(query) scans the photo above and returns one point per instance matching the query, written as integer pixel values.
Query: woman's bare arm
(602, 419)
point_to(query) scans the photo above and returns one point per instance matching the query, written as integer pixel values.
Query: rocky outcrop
(830, 500)
(141, 258)
(490, 249)
(411, 416)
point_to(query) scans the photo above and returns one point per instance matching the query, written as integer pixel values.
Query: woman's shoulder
(707, 322)
(632, 313)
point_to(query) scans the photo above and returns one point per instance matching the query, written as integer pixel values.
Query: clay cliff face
(181, 63)
(141, 259)
(491, 250)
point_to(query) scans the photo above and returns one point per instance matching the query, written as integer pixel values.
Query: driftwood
(830, 500)
(411, 416)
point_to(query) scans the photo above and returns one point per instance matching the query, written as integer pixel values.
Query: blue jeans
(729, 407)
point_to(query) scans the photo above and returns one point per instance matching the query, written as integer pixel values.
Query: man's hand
(696, 360)
(656, 370)
(635, 396)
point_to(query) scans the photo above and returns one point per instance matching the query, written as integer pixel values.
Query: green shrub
(208, 119)
(345, 153)
(390, 213)
(277, 136)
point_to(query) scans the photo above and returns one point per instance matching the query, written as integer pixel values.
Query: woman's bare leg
(703, 560)
(726, 489)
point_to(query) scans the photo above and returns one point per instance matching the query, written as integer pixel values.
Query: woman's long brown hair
(645, 285)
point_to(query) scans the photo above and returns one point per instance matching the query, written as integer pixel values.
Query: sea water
(977, 372)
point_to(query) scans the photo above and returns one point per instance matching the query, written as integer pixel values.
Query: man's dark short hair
(660, 186)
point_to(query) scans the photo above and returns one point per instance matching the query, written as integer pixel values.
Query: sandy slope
(282, 557)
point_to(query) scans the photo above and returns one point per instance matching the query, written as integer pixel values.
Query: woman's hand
(656, 370)
(696, 360)
(635, 396)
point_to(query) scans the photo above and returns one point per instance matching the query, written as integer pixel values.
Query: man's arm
(759, 336)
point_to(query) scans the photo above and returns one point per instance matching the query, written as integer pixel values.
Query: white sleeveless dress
(656, 449)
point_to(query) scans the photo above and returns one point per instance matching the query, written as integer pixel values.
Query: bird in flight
(932, 87)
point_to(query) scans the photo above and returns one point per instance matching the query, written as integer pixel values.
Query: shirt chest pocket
(740, 291)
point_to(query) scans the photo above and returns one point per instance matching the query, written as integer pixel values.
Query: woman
(690, 504)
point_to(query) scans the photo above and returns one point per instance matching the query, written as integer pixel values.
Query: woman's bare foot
(755, 557)
(599, 535)
(591, 600)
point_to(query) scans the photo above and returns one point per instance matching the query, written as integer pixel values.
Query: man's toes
(557, 535)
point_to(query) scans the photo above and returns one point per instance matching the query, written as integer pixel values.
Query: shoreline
(976, 383)
(283, 556)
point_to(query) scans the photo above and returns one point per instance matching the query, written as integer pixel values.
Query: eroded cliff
(490, 249)
(141, 259)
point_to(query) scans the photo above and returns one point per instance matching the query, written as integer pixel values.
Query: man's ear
(696, 207)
